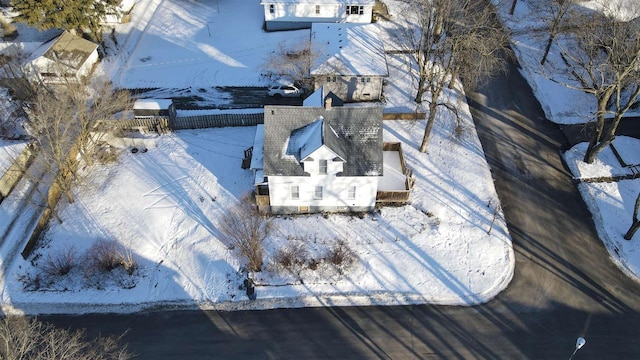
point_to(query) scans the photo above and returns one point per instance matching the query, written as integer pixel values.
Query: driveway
(219, 97)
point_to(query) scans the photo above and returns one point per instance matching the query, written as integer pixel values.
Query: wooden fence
(404, 116)
(217, 120)
(162, 124)
(397, 196)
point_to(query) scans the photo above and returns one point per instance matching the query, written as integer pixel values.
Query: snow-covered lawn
(561, 104)
(165, 204)
(9, 150)
(611, 203)
(449, 245)
(197, 45)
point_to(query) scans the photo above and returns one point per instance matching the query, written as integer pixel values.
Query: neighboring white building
(325, 159)
(300, 14)
(63, 58)
(348, 60)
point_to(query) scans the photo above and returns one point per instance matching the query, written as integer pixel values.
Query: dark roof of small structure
(66, 49)
(292, 132)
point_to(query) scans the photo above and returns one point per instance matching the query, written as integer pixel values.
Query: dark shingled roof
(353, 133)
(67, 49)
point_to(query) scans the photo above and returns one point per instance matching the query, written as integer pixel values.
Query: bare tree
(245, 229)
(64, 124)
(452, 39)
(513, 7)
(291, 62)
(635, 224)
(23, 338)
(555, 13)
(602, 58)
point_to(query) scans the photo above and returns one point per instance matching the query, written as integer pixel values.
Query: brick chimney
(327, 103)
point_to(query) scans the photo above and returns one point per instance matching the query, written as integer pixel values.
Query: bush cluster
(105, 262)
(296, 258)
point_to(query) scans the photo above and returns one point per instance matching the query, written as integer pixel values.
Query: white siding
(307, 13)
(86, 68)
(323, 153)
(334, 190)
(40, 66)
(351, 88)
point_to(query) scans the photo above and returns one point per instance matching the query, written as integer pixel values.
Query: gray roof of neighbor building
(66, 49)
(319, 98)
(348, 50)
(353, 133)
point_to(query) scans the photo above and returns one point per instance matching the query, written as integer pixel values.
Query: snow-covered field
(611, 203)
(196, 45)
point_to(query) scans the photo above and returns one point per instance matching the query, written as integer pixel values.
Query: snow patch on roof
(305, 140)
(348, 49)
(152, 104)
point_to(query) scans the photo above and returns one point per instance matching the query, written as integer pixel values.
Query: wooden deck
(399, 195)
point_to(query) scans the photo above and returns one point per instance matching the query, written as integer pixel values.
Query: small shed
(63, 58)
(154, 108)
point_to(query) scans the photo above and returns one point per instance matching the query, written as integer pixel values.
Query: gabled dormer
(323, 162)
(309, 145)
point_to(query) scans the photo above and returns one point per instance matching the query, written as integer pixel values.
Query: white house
(348, 60)
(325, 159)
(63, 58)
(300, 14)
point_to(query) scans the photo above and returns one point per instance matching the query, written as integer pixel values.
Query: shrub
(290, 257)
(108, 262)
(106, 154)
(104, 255)
(9, 30)
(244, 229)
(313, 264)
(61, 263)
(128, 262)
(30, 281)
(24, 338)
(340, 256)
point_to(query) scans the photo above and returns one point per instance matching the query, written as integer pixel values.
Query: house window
(272, 9)
(295, 192)
(355, 10)
(317, 9)
(351, 193)
(317, 193)
(322, 169)
(365, 79)
(331, 79)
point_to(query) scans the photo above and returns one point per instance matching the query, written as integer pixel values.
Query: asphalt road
(564, 286)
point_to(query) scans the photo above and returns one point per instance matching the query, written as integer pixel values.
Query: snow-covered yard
(449, 245)
(611, 203)
(164, 205)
